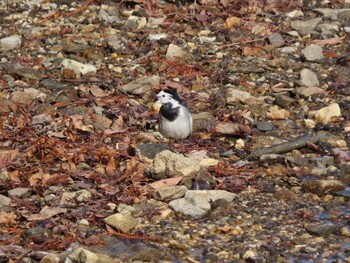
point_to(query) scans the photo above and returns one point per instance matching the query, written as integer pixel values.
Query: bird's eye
(163, 96)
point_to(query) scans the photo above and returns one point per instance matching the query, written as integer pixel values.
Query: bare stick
(290, 146)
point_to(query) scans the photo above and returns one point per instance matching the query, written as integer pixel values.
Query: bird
(175, 119)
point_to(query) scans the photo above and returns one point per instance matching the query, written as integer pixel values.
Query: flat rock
(157, 36)
(141, 85)
(309, 91)
(324, 229)
(150, 150)
(276, 39)
(308, 78)
(77, 67)
(328, 114)
(19, 192)
(275, 113)
(175, 51)
(123, 222)
(313, 53)
(202, 120)
(332, 13)
(264, 126)
(306, 27)
(26, 72)
(170, 193)
(168, 164)
(323, 187)
(234, 96)
(197, 203)
(11, 42)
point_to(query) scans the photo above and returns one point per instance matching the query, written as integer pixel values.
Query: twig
(290, 146)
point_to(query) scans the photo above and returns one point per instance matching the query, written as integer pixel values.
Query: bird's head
(169, 96)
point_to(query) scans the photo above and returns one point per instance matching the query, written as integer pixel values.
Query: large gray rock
(168, 164)
(19, 192)
(197, 203)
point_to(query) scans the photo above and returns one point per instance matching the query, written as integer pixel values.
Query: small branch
(290, 146)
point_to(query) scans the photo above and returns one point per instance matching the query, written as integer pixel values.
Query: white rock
(175, 51)
(309, 78)
(158, 36)
(11, 42)
(77, 67)
(328, 114)
(196, 203)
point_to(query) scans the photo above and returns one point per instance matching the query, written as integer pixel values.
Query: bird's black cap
(174, 94)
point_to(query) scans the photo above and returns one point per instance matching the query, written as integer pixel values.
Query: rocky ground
(86, 177)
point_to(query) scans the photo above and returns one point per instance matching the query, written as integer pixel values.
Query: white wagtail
(175, 119)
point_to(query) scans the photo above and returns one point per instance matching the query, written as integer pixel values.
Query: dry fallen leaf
(7, 218)
(328, 41)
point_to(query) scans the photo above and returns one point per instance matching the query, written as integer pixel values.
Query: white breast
(180, 128)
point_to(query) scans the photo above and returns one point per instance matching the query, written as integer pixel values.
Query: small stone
(77, 67)
(170, 193)
(306, 27)
(141, 85)
(234, 96)
(324, 229)
(175, 51)
(156, 37)
(117, 43)
(284, 100)
(312, 53)
(50, 258)
(308, 78)
(264, 126)
(4, 176)
(11, 42)
(202, 120)
(323, 187)
(4, 200)
(309, 91)
(276, 39)
(275, 113)
(22, 97)
(19, 192)
(197, 203)
(328, 114)
(134, 23)
(295, 13)
(123, 222)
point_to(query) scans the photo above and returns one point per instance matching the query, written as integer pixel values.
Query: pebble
(19, 192)
(313, 53)
(169, 193)
(175, 51)
(234, 96)
(77, 67)
(328, 114)
(306, 27)
(308, 78)
(11, 42)
(123, 222)
(323, 187)
(264, 126)
(117, 43)
(140, 85)
(276, 39)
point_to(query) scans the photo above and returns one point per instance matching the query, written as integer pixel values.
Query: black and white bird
(175, 119)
